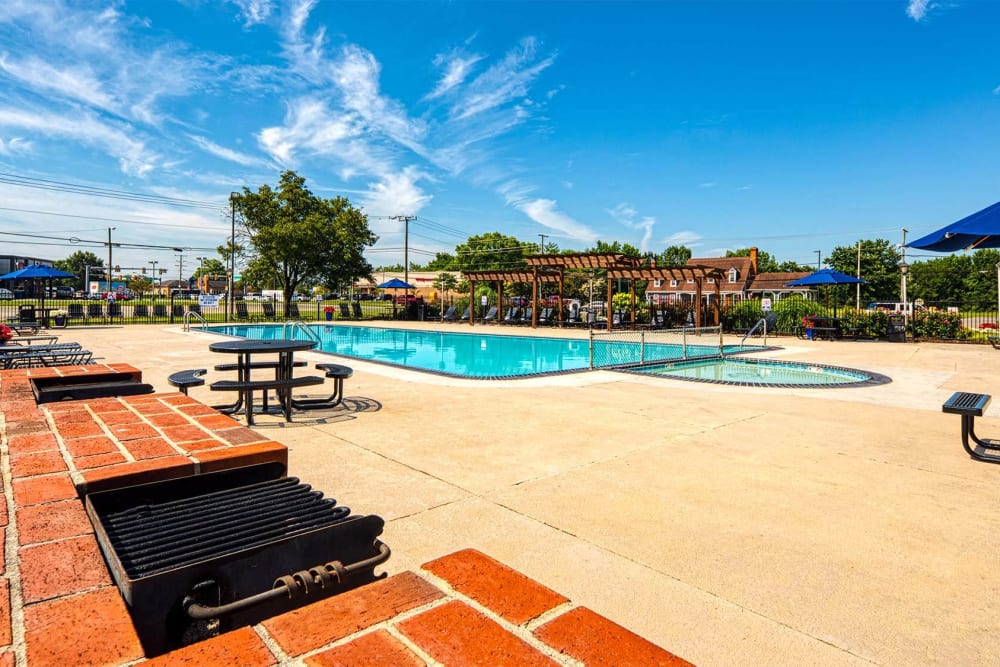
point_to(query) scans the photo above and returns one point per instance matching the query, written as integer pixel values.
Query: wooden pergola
(551, 268)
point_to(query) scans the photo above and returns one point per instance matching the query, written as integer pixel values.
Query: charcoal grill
(201, 555)
(89, 385)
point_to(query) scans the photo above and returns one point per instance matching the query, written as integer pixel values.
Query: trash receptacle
(328, 313)
(420, 312)
(897, 329)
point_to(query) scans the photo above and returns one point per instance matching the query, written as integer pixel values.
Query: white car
(6, 294)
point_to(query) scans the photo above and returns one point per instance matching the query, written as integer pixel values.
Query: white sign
(484, 300)
(765, 305)
(208, 300)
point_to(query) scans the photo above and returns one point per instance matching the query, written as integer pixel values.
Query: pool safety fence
(611, 349)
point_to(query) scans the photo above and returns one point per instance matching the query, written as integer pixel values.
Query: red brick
(40, 463)
(95, 444)
(137, 472)
(98, 460)
(52, 521)
(7, 659)
(194, 408)
(168, 419)
(457, 634)
(186, 433)
(508, 593)
(199, 445)
(61, 568)
(79, 414)
(22, 410)
(5, 631)
(594, 640)
(243, 455)
(375, 649)
(3, 558)
(89, 629)
(3, 515)
(132, 431)
(217, 422)
(81, 429)
(104, 405)
(36, 442)
(320, 623)
(242, 647)
(24, 427)
(118, 417)
(150, 448)
(240, 435)
(34, 490)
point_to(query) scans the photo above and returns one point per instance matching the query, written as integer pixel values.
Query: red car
(407, 298)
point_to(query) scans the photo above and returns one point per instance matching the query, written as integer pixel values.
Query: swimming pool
(469, 355)
(763, 372)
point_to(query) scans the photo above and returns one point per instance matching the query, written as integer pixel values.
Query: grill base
(161, 603)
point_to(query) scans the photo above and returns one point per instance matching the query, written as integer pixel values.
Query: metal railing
(609, 349)
(761, 325)
(191, 314)
(298, 325)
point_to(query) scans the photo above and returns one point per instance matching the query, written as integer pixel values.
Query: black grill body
(197, 556)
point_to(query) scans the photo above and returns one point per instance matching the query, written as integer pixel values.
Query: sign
(765, 305)
(319, 298)
(208, 300)
(484, 300)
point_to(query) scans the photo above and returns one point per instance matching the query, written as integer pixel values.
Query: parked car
(384, 297)
(64, 292)
(364, 297)
(519, 301)
(253, 296)
(300, 297)
(408, 298)
(6, 294)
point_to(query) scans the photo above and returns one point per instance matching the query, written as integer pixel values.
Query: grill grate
(231, 547)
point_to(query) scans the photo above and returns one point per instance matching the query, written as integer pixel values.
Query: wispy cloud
(14, 146)
(396, 194)
(456, 66)
(503, 82)
(226, 153)
(917, 9)
(254, 11)
(626, 215)
(546, 213)
(684, 238)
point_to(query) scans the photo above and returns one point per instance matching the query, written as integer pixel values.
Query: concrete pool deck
(729, 525)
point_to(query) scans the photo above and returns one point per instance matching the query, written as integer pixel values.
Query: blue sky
(792, 126)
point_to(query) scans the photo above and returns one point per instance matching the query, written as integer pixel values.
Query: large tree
(297, 237)
(491, 251)
(77, 264)
(879, 270)
(675, 255)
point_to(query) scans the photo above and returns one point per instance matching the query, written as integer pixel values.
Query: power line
(60, 186)
(90, 217)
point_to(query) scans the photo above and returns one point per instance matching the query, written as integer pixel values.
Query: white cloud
(396, 194)
(254, 11)
(917, 9)
(685, 238)
(456, 69)
(707, 185)
(15, 146)
(625, 214)
(133, 157)
(226, 153)
(506, 81)
(545, 212)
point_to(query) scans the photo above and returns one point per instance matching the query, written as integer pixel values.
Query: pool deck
(729, 525)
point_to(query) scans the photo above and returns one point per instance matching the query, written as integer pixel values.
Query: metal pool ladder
(187, 320)
(761, 324)
(298, 325)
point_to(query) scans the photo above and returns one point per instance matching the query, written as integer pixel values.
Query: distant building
(422, 281)
(741, 282)
(27, 288)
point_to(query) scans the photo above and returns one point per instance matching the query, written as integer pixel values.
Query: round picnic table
(246, 348)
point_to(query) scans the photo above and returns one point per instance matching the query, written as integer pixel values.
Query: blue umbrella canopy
(396, 283)
(36, 271)
(979, 230)
(824, 277)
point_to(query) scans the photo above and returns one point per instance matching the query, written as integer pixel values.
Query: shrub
(936, 324)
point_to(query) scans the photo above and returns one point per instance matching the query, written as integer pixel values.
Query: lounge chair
(177, 310)
(513, 315)
(95, 311)
(345, 312)
(194, 308)
(526, 317)
(115, 311)
(356, 310)
(75, 311)
(293, 311)
(241, 311)
(491, 315)
(994, 341)
(545, 317)
(268, 310)
(141, 311)
(449, 315)
(160, 310)
(573, 317)
(465, 315)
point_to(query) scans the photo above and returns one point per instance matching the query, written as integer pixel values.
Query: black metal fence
(77, 312)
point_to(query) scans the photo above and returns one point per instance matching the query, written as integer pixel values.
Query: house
(741, 282)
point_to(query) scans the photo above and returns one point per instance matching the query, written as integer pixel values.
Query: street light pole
(818, 253)
(232, 254)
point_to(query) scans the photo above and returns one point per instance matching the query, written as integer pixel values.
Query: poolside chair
(241, 311)
(159, 310)
(545, 317)
(177, 310)
(293, 311)
(140, 311)
(491, 315)
(345, 312)
(465, 315)
(75, 311)
(513, 315)
(526, 317)
(194, 308)
(356, 309)
(449, 315)
(95, 311)
(994, 341)
(573, 317)
(268, 310)
(115, 311)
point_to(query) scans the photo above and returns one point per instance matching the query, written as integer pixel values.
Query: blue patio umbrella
(396, 283)
(35, 271)
(825, 277)
(979, 230)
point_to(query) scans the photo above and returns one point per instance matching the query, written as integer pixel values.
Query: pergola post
(718, 304)
(631, 283)
(607, 304)
(697, 300)
(472, 301)
(534, 297)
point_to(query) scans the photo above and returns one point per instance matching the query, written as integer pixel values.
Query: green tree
(211, 267)
(615, 247)
(443, 261)
(675, 255)
(491, 251)
(445, 282)
(297, 237)
(766, 263)
(140, 284)
(879, 269)
(77, 264)
(789, 266)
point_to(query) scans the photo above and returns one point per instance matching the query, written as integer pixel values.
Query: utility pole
(543, 242)
(818, 253)
(902, 270)
(110, 264)
(232, 255)
(857, 298)
(406, 246)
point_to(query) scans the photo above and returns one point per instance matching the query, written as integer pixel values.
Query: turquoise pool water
(762, 372)
(468, 355)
